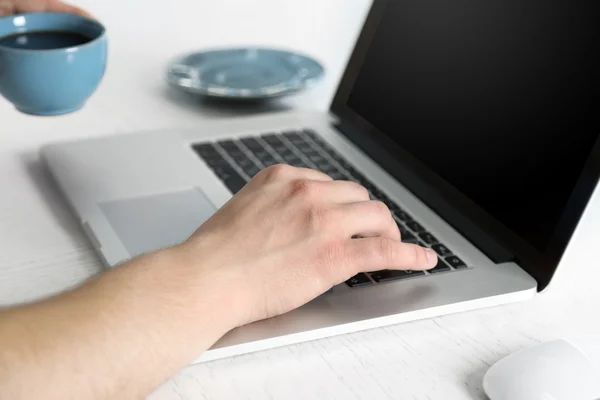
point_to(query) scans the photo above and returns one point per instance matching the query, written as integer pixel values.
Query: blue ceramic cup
(50, 64)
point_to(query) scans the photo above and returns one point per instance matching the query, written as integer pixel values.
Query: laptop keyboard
(235, 162)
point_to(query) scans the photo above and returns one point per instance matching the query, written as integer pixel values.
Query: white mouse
(565, 369)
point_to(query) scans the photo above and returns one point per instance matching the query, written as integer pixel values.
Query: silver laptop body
(140, 192)
(137, 193)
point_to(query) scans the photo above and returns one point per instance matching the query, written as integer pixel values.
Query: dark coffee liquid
(44, 40)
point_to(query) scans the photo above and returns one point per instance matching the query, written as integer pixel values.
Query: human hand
(283, 240)
(10, 7)
(286, 238)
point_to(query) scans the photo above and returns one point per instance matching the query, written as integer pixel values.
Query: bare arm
(116, 337)
(125, 333)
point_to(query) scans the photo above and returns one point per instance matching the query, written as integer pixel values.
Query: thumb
(60, 7)
(6, 8)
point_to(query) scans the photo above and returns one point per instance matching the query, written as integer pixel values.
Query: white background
(42, 250)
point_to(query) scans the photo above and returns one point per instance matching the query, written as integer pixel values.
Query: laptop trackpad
(148, 223)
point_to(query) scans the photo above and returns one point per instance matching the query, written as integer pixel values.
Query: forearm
(118, 336)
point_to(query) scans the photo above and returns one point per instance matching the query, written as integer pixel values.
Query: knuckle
(380, 208)
(359, 188)
(363, 190)
(277, 171)
(303, 188)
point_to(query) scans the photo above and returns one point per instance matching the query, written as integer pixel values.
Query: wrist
(205, 282)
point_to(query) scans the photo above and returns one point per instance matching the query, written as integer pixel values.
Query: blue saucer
(251, 73)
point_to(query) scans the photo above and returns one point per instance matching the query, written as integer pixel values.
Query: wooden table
(43, 251)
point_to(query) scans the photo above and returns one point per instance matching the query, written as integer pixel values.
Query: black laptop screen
(499, 98)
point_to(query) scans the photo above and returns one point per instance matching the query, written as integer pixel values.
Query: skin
(9, 7)
(283, 240)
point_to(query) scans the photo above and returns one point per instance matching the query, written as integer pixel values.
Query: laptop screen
(500, 99)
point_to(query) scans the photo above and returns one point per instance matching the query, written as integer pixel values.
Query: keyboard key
(440, 267)
(265, 158)
(317, 159)
(271, 139)
(205, 150)
(244, 162)
(224, 171)
(359, 280)
(364, 181)
(370, 187)
(252, 170)
(407, 236)
(311, 134)
(456, 262)
(441, 250)
(285, 153)
(235, 183)
(293, 160)
(377, 193)
(253, 144)
(428, 238)
(360, 177)
(307, 151)
(238, 156)
(390, 275)
(232, 149)
(386, 200)
(351, 171)
(261, 154)
(337, 157)
(299, 164)
(279, 148)
(325, 147)
(394, 207)
(390, 203)
(403, 216)
(326, 167)
(229, 145)
(338, 176)
(231, 178)
(216, 161)
(294, 137)
(415, 227)
(344, 164)
(269, 162)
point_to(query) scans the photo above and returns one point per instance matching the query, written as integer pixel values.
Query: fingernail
(432, 257)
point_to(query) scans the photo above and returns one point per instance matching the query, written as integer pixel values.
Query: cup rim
(62, 49)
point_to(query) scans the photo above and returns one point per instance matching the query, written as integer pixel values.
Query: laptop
(477, 123)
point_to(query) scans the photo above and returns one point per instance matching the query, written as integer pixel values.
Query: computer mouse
(565, 369)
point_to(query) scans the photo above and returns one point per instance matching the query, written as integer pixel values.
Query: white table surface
(43, 251)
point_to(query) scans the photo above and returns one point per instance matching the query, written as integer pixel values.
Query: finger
(342, 192)
(368, 219)
(60, 7)
(6, 8)
(375, 254)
